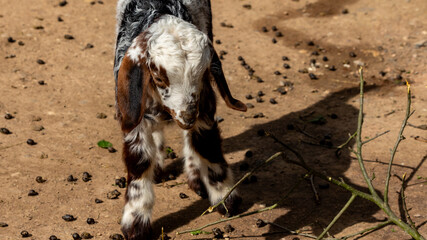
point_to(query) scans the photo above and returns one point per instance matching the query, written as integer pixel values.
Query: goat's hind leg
(138, 153)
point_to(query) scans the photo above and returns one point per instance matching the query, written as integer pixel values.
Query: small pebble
(259, 99)
(90, 221)
(39, 27)
(352, 54)
(41, 82)
(68, 218)
(344, 11)
(121, 182)
(312, 76)
(264, 29)
(313, 61)
(183, 195)
(8, 116)
(383, 73)
(260, 93)
(63, 3)
(249, 105)
(334, 116)
(71, 178)
(86, 177)
(287, 66)
(76, 236)
(277, 73)
(282, 90)
(273, 101)
(32, 193)
(310, 43)
(259, 115)
(217, 233)
(31, 142)
(325, 59)
(260, 223)
(228, 228)
(25, 234)
(116, 237)
(274, 28)
(3, 224)
(11, 40)
(101, 115)
(274, 40)
(240, 58)
(285, 58)
(89, 46)
(218, 41)
(98, 200)
(40, 179)
(249, 96)
(258, 79)
(86, 235)
(5, 131)
(279, 34)
(68, 37)
(247, 6)
(38, 128)
(111, 150)
(60, 19)
(315, 53)
(53, 237)
(40, 61)
(100, 2)
(113, 194)
(332, 68)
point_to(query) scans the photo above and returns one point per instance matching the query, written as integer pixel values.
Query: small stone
(36, 118)
(258, 79)
(5, 131)
(76, 236)
(90, 221)
(287, 66)
(217, 233)
(68, 218)
(274, 40)
(8, 116)
(260, 93)
(40, 61)
(68, 37)
(282, 90)
(121, 182)
(285, 58)
(352, 54)
(259, 115)
(249, 105)
(3, 224)
(273, 101)
(277, 73)
(116, 236)
(60, 19)
(63, 3)
(334, 116)
(101, 115)
(264, 29)
(38, 128)
(259, 99)
(111, 150)
(183, 195)
(228, 228)
(113, 194)
(240, 58)
(325, 59)
(98, 200)
(310, 43)
(249, 154)
(344, 11)
(39, 27)
(40, 179)
(71, 178)
(31, 142)
(89, 46)
(247, 6)
(274, 28)
(222, 52)
(312, 76)
(41, 82)
(260, 223)
(25, 234)
(313, 61)
(11, 40)
(315, 53)
(332, 68)
(279, 34)
(86, 177)
(304, 70)
(249, 96)
(53, 237)
(218, 41)
(100, 2)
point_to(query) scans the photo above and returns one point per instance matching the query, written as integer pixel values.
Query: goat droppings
(68, 218)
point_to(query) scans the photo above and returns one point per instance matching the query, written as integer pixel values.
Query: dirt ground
(57, 103)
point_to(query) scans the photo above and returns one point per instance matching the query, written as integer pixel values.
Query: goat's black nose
(190, 114)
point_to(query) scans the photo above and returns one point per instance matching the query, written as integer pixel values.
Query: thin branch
(316, 195)
(399, 139)
(377, 136)
(248, 174)
(348, 140)
(405, 209)
(353, 196)
(367, 230)
(291, 231)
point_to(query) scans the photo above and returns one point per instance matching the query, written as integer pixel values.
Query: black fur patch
(139, 230)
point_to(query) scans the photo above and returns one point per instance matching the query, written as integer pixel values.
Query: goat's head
(175, 58)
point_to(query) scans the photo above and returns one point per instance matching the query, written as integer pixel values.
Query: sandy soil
(61, 115)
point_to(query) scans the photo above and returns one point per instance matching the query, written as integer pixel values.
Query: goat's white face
(179, 55)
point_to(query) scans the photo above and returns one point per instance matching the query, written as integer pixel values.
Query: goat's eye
(157, 79)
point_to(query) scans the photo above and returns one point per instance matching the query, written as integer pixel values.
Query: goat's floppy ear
(221, 83)
(132, 90)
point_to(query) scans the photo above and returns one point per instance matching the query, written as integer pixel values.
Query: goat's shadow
(310, 132)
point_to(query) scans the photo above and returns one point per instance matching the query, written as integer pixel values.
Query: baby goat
(164, 66)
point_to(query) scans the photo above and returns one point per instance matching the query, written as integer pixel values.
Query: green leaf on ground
(104, 144)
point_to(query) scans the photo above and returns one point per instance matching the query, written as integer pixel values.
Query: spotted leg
(207, 168)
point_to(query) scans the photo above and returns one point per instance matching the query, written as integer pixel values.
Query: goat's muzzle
(189, 117)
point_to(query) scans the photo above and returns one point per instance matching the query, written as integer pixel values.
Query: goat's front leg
(139, 154)
(207, 168)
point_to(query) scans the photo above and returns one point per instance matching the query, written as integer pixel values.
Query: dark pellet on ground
(273, 101)
(249, 96)
(243, 167)
(63, 3)
(31, 142)
(101, 115)
(315, 53)
(90, 221)
(11, 40)
(5, 131)
(68, 218)
(323, 185)
(240, 58)
(325, 59)
(334, 116)
(8, 116)
(247, 67)
(228, 228)
(310, 43)
(264, 29)
(183, 195)
(21, 43)
(40, 61)
(313, 61)
(3, 224)
(76, 236)
(218, 41)
(116, 237)
(260, 93)
(71, 178)
(92, 3)
(100, 2)
(86, 177)
(121, 182)
(352, 54)
(53, 237)
(249, 105)
(277, 73)
(68, 37)
(279, 34)
(249, 154)
(111, 150)
(222, 52)
(39, 27)
(344, 11)
(217, 233)
(260, 223)
(274, 40)
(259, 99)
(282, 90)
(41, 82)
(332, 68)
(258, 79)
(312, 76)
(98, 200)
(25, 234)
(60, 19)
(285, 58)
(113, 194)
(89, 45)
(259, 115)
(287, 66)
(383, 73)
(274, 28)
(247, 6)
(40, 179)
